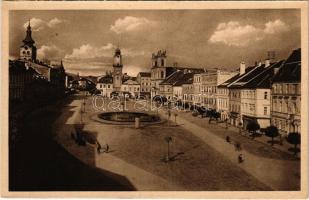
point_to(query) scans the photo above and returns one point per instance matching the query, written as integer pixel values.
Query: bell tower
(117, 70)
(28, 49)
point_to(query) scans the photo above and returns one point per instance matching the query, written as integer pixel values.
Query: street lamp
(168, 140)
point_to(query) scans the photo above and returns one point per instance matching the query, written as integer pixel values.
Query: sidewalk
(233, 132)
(276, 173)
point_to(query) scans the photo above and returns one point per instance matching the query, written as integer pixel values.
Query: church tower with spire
(117, 70)
(28, 49)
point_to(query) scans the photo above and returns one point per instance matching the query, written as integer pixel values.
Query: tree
(214, 115)
(294, 138)
(271, 131)
(168, 140)
(252, 127)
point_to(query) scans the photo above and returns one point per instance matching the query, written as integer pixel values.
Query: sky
(86, 39)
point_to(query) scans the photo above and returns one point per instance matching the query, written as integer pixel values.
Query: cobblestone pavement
(259, 145)
(137, 154)
(276, 168)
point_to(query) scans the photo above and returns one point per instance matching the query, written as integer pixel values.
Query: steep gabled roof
(236, 77)
(108, 79)
(291, 69)
(186, 79)
(264, 79)
(173, 78)
(245, 78)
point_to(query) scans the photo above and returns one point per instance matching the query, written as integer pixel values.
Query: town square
(146, 112)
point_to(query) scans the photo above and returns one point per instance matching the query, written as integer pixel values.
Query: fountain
(126, 117)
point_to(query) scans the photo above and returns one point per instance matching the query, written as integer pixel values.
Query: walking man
(98, 147)
(107, 148)
(240, 158)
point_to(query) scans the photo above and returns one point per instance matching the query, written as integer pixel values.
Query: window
(162, 74)
(162, 62)
(284, 106)
(108, 86)
(100, 85)
(265, 95)
(265, 110)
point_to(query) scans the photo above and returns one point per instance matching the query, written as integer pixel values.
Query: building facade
(105, 85)
(286, 95)
(132, 87)
(144, 79)
(210, 81)
(256, 95)
(19, 77)
(197, 87)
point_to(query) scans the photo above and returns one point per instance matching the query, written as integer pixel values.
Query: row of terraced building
(266, 93)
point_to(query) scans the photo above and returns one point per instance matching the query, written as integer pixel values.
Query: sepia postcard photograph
(154, 99)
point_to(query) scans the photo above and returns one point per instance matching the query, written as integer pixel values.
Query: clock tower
(28, 49)
(117, 72)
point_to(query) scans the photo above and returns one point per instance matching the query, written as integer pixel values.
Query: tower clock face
(117, 59)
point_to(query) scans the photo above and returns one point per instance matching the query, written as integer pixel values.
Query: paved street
(202, 158)
(278, 170)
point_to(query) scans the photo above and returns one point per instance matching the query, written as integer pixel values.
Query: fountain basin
(128, 118)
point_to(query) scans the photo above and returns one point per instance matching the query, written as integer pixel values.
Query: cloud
(36, 24)
(54, 22)
(235, 34)
(39, 24)
(89, 59)
(276, 26)
(50, 52)
(88, 51)
(129, 24)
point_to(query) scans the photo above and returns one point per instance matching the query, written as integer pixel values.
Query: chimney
(259, 64)
(267, 62)
(242, 68)
(276, 70)
(27, 66)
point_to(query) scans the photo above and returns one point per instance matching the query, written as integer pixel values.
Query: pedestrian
(98, 147)
(107, 148)
(228, 139)
(240, 158)
(237, 146)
